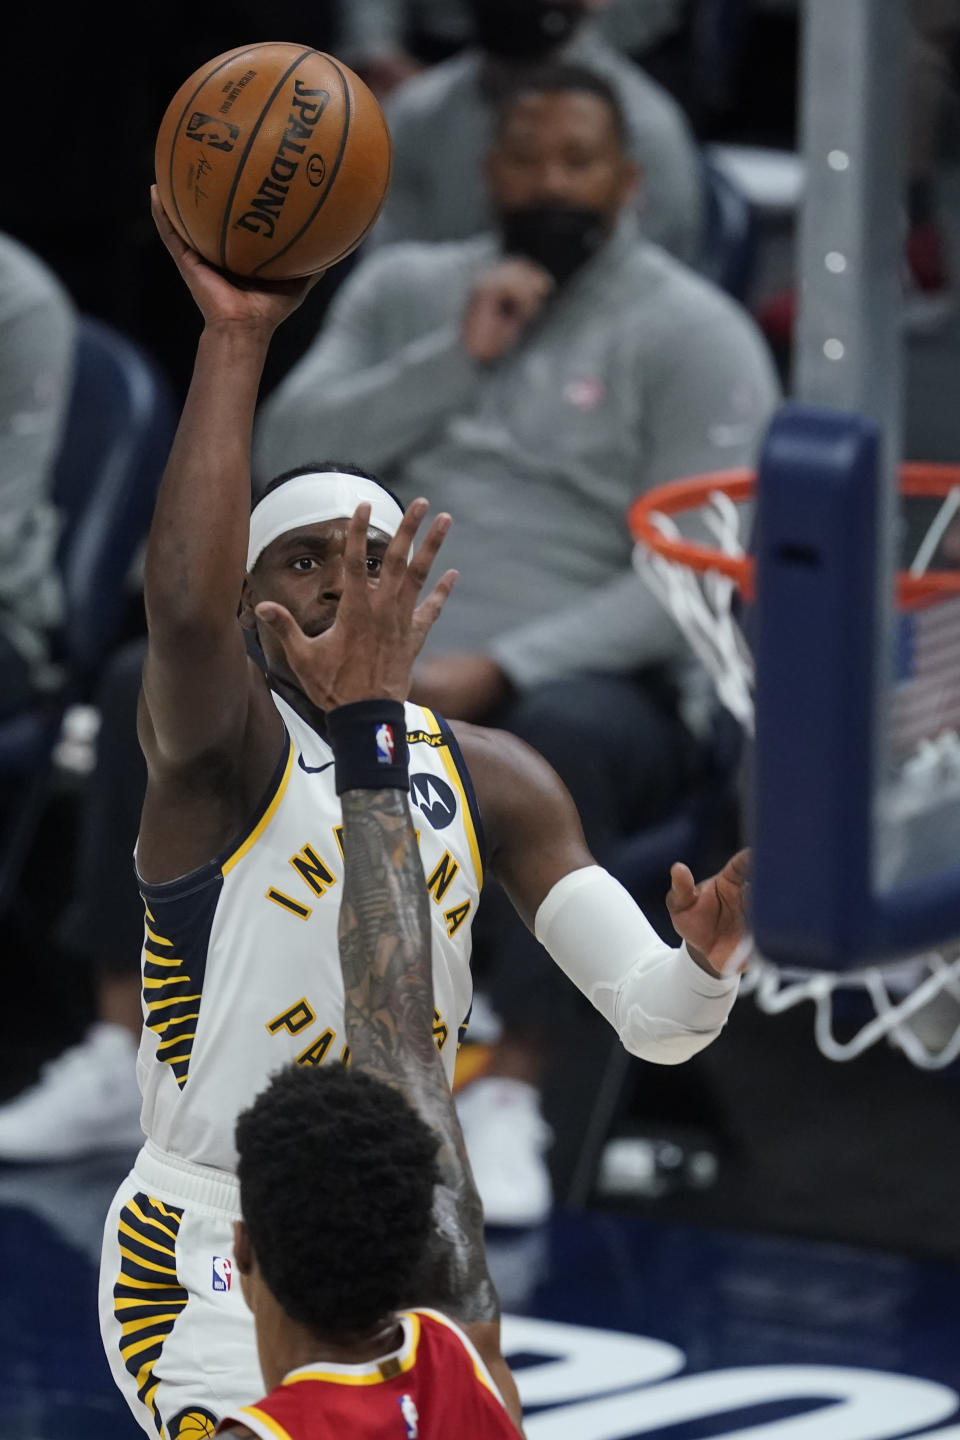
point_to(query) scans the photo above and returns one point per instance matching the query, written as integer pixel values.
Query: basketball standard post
(825, 525)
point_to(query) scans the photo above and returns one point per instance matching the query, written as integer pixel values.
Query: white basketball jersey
(241, 968)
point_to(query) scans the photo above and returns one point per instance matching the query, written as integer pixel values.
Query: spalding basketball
(273, 161)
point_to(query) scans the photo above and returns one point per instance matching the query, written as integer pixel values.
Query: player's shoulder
(450, 1346)
(507, 773)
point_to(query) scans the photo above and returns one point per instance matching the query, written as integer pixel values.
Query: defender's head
(298, 529)
(337, 1174)
(559, 171)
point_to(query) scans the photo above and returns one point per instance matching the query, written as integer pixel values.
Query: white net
(912, 1004)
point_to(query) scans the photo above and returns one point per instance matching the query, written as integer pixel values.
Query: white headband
(310, 499)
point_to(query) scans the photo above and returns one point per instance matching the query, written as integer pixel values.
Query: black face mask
(524, 30)
(557, 237)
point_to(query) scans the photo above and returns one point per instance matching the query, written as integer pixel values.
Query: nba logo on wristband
(385, 744)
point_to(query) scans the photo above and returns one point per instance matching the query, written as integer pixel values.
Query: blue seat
(116, 439)
(730, 234)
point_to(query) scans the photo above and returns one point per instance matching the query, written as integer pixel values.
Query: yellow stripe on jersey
(449, 765)
(268, 1421)
(265, 818)
(394, 1365)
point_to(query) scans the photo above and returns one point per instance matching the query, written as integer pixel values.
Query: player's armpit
(198, 701)
(532, 824)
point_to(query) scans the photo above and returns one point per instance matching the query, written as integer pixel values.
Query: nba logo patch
(385, 744)
(410, 1416)
(222, 1272)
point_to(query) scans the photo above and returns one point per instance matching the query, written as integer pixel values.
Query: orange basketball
(273, 161)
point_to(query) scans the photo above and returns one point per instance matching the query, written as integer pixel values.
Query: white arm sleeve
(664, 1007)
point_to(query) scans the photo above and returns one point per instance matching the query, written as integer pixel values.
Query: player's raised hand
(712, 916)
(258, 303)
(369, 650)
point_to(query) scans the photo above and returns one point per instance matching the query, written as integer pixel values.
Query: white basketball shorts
(179, 1337)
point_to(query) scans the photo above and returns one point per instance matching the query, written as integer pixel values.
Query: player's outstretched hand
(712, 916)
(369, 650)
(263, 303)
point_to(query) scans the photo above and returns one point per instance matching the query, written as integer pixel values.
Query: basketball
(273, 161)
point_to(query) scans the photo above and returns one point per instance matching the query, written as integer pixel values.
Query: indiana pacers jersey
(241, 969)
(434, 1387)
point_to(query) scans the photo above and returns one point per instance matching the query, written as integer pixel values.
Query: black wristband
(369, 743)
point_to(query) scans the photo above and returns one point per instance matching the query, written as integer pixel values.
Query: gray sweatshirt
(638, 371)
(37, 330)
(442, 127)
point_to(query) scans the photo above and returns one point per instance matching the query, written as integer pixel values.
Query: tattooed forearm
(385, 956)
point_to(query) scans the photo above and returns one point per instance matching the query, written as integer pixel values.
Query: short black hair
(557, 76)
(322, 467)
(337, 1174)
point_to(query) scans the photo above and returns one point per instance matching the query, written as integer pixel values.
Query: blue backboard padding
(815, 632)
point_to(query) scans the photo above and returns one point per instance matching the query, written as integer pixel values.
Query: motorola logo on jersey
(434, 799)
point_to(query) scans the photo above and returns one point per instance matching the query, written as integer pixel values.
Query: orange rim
(678, 496)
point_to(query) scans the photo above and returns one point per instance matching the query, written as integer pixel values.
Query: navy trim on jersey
(456, 754)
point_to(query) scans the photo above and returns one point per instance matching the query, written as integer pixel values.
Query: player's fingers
(422, 562)
(282, 623)
(355, 545)
(738, 867)
(427, 613)
(683, 889)
(394, 567)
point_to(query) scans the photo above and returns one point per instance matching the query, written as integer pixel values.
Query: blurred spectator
(442, 123)
(931, 82)
(37, 328)
(531, 382)
(388, 41)
(86, 1101)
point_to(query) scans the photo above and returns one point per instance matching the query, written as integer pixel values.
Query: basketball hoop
(707, 586)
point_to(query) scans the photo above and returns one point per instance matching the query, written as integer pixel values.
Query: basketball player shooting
(239, 860)
(355, 1187)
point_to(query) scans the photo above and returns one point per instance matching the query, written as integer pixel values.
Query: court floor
(620, 1325)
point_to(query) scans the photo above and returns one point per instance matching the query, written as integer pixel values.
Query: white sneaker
(86, 1102)
(506, 1137)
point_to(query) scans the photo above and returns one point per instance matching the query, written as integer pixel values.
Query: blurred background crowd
(581, 286)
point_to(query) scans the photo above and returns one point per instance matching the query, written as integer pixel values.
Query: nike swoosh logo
(313, 769)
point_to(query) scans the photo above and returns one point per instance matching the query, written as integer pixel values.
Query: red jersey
(433, 1387)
